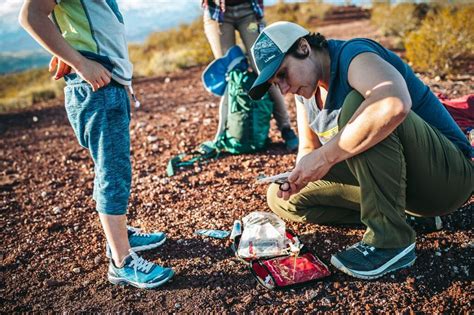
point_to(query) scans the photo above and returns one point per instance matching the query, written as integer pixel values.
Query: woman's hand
(311, 167)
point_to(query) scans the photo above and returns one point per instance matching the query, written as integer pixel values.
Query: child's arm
(34, 17)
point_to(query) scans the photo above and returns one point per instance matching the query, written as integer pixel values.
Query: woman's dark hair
(315, 40)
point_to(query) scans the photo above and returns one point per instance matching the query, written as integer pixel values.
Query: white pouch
(264, 235)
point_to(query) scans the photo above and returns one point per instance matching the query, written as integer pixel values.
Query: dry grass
(21, 90)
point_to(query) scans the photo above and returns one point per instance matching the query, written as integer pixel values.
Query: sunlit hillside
(186, 46)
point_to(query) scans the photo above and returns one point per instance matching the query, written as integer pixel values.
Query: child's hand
(94, 73)
(59, 67)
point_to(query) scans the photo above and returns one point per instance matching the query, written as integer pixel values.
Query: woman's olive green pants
(415, 169)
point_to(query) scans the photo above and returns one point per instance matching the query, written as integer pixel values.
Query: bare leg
(223, 113)
(115, 229)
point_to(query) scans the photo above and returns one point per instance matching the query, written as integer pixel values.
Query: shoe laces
(365, 249)
(140, 264)
(138, 232)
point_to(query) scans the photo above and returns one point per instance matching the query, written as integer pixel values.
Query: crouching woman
(375, 143)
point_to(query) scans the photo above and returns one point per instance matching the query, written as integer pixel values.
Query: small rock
(141, 124)
(52, 283)
(151, 139)
(97, 260)
(44, 194)
(207, 122)
(177, 305)
(325, 301)
(35, 119)
(438, 253)
(311, 294)
(56, 210)
(76, 270)
(167, 80)
(155, 147)
(246, 299)
(76, 228)
(437, 78)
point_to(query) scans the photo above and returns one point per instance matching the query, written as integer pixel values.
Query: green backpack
(246, 127)
(248, 121)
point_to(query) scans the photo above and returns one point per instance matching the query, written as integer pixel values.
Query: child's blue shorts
(101, 122)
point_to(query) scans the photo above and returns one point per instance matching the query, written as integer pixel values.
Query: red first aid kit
(296, 266)
(289, 271)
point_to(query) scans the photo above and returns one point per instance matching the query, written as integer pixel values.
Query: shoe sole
(148, 247)
(123, 281)
(393, 264)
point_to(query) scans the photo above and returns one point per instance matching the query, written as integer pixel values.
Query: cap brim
(261, 84)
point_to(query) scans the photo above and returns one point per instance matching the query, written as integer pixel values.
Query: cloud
(154, 5)
(10, 7)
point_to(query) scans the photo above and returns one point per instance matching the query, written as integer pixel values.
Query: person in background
(375, 143)
(87, 39)
(221, 19)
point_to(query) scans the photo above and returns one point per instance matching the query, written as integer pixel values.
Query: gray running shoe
(367, 262)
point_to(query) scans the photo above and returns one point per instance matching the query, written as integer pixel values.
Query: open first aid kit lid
(264, 235)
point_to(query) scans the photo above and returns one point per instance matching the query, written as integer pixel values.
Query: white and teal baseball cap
(270, 49)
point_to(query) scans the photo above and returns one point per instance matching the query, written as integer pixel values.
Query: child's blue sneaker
(367, 262)
(139, 272)
(141, 241)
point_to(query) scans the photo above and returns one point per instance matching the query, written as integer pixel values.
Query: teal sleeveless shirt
(424, 102)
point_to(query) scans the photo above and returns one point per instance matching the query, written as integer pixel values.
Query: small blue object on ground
(213, 233)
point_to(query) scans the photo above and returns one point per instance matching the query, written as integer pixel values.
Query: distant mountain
(141, 19)
(19, 61)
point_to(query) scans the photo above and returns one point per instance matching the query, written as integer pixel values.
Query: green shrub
(178, 48)
(187, 45)
(398, 20)
(301, 13)
(442, 41)
(21, 90)
(43, 95)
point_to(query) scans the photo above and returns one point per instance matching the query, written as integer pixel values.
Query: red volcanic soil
(52, 254)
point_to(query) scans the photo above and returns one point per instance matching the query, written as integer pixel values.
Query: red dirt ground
(52, 253)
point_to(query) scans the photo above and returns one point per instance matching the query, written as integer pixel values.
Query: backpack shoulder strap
(206, 151)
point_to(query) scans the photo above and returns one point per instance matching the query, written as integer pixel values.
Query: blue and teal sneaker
(141, 241)
(139, 272)
(367, 262)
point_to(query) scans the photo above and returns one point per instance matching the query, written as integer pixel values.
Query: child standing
(89, 37)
